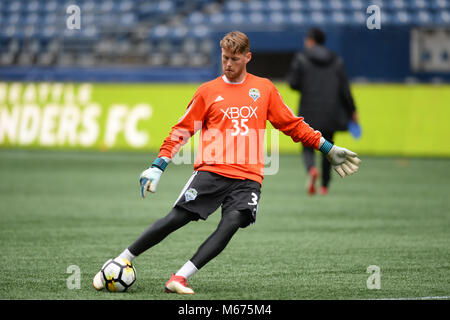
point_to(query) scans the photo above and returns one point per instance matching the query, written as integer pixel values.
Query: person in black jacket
(326, 102)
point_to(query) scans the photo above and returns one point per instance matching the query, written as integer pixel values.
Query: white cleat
(98, 281)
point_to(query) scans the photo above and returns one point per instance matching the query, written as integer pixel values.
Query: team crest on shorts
(254, 93)
(190, 195)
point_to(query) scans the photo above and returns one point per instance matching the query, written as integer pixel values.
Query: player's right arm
(180, 133)
(185, 128)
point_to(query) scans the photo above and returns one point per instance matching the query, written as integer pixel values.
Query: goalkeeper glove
(149, 178)
(344, 161)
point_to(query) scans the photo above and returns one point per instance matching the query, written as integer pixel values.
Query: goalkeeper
(231, 112)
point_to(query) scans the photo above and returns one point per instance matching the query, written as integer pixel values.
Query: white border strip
(417, 298)
(188, 183)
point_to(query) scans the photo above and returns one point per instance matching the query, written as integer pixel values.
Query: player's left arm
(344, 161)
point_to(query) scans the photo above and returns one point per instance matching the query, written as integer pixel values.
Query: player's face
(234, 64)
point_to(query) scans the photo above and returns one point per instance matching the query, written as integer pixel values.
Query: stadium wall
(402, 120)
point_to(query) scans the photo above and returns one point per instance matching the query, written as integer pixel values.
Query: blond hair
(236, 42)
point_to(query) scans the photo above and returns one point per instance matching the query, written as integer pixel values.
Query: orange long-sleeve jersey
(232, 118)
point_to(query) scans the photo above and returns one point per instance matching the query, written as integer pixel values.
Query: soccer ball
(118, 274)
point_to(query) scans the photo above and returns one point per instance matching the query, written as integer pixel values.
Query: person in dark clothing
(326, 102)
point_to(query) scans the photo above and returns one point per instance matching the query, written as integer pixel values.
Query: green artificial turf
(59, 209)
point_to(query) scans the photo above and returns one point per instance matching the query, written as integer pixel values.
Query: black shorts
(206, 191)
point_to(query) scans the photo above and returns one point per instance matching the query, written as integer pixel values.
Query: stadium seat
(294, 5)
(25, 59)
(196, 18)
(189, 46)
(420, 4)
(45, 59)
(358, 18)
(217, 19)
(440, 4)
(442, 18)
(257, 18)
(7, 58)
(339, 17)
(178, 59)
(157, 59)
(423, 18)
(335, 5)
(356, 5)
(198, 60)
(401, 17)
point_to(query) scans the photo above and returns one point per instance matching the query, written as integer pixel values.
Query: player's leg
(326, 167)
(308, 159)
(157, 231)
(229, 224)
(239, 209)
(218, 240)
(326, 175)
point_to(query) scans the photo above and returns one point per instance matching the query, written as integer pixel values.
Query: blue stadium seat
(217, 19)
(401, 18)
(442, 18)
(107, 6)
(355, 5)
(423, 18)
(277, 18)
(196, 18)
(256, 6)
(420, 5)
(334, 5)
(234, 5)
(32, 6)
(49, 6)
(257, 18)
(320, 18)
(294, 5)
(296, 18)
(276, 6)
(199, 32)
(14, 7)
(178, 33)
(340, 17)
(440, 4)
(236, 18)
(358, 18)
(315, 5)
(395, 5)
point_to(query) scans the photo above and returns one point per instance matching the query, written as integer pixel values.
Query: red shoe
(178, 284)
(311, 185)
(323, 191)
